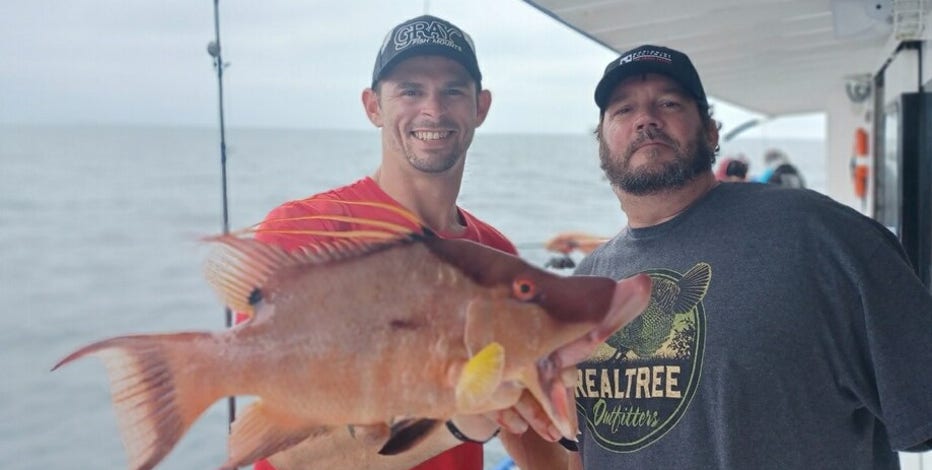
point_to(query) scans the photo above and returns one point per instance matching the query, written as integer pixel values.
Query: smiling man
(426, 99)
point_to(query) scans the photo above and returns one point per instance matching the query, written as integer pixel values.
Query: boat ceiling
(773, 57)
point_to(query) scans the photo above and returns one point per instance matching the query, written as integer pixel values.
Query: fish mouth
(553, 384)
(433, 135)
(630, 298)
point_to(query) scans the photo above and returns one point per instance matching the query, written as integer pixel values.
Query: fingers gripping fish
(363, 329)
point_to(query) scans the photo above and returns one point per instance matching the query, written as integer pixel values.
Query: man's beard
(696, 157)
(435, 164)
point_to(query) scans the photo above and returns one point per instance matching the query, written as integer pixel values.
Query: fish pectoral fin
(260, 432)
(480, 377)
(407, 434)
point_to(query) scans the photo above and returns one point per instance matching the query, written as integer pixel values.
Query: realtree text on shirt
(465, 456)
(789, 333)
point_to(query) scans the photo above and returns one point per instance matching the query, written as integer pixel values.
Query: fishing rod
(213, 48)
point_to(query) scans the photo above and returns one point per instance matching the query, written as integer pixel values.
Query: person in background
(816, 356)
(780, 171)
(426, 98)
(732, 169)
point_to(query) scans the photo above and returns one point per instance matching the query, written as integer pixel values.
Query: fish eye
(524, 289)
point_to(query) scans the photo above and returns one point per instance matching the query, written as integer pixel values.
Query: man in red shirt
(427, 100)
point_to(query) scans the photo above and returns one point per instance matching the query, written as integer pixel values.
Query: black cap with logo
(650, 59)
(426, 35)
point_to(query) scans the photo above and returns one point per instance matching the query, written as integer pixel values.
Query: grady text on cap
(426, 35)
(650, 59)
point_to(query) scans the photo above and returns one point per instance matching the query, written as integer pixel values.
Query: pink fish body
(413, 330)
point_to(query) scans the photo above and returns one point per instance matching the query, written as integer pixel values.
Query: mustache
(650, 134)
(429, 124)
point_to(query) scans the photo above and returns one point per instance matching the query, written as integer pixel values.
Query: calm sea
(99, 230)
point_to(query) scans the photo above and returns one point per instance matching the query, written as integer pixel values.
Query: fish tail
(156, 388)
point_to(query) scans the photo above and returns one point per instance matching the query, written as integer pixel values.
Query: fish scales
(322, 324)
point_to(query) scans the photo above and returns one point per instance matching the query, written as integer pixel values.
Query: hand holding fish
(384, 330)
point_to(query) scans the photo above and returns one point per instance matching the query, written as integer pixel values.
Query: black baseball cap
(426, 35)
(650, 59)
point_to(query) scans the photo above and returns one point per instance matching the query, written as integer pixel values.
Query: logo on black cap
(420, 33)
(647, 54)
(650, 59)
(426, 35)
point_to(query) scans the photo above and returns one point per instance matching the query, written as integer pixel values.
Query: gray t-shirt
(785, 331)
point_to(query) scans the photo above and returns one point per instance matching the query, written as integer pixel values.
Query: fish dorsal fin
(240, 266)
(367, 227)
(693, 286)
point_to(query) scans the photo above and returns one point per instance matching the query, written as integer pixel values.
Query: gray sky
(293, 63)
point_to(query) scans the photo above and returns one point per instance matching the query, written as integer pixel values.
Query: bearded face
(691, 158)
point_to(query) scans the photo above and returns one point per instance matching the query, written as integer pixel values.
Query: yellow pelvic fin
(480, 377)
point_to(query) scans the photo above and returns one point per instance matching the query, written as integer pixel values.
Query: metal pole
(213, 48)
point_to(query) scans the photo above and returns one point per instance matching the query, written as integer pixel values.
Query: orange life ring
(860, 163)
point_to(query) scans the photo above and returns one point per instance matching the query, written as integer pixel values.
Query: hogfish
(385, 329)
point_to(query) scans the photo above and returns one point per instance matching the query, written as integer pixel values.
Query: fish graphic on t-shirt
(648, 332)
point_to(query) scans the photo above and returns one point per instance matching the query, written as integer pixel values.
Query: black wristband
(459, 434)
(568, 444)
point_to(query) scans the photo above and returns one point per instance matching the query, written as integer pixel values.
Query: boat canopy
(793, 52)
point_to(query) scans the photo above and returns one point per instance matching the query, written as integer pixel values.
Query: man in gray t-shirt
(785, 330)
(789, 334)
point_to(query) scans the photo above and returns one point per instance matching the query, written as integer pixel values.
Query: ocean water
(99, 230)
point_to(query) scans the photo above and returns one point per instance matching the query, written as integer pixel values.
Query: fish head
(543, 323)
(572, 305)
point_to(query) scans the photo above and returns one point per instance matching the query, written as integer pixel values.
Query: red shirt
(465, 456)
